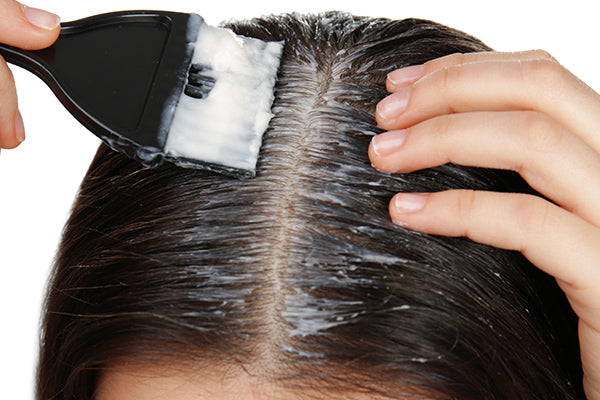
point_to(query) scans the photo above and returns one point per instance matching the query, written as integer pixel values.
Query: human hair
(299, 273)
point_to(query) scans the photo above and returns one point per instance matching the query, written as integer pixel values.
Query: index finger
(497, 85)
(400, 78)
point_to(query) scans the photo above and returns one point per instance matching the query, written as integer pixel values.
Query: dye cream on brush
(172, 78)
(225, 124)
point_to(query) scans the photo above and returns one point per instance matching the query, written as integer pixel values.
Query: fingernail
(406, 76)
(41, 18)
(409, 202)
(393, 105)
(19, 127)
(388, 142)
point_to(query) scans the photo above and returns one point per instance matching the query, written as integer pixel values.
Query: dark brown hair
(300, 271)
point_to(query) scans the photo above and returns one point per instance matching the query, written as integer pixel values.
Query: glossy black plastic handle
(116, 73)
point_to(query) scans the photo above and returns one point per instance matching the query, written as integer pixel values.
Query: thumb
(27, 27)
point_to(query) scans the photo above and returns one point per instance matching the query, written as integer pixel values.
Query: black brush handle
(119, 74)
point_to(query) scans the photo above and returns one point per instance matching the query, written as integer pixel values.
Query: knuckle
(439, 131)
(443, 81)
(444, 133)
(443, 126)
(446, 61)
(447, 82)
(465, 204)
(457, 59)
(542, 54)
(541, 133)
(543, 73)
(530, 212)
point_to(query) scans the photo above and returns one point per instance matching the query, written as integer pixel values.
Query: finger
(402, 77)
(551, 159)
(27, 27)
(553, 239)
(541, 85)
(556, 241)
(11, 133)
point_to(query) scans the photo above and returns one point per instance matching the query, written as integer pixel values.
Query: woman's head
(296, 282)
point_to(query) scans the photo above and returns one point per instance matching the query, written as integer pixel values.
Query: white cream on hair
(226, 127)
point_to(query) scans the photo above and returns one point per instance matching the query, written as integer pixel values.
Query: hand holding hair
(27, 28)
(516, 111)
(295, 283)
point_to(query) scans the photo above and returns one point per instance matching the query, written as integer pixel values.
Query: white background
(38, 180)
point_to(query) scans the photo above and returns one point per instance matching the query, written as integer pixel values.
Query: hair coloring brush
(160, 85)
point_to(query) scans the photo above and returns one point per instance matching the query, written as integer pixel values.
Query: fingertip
(9, 141)
(408, 203)
(375, 155)
(41, 18)
(19, 128)
(378, 119)
(13, 132)
(403, 77)
(46, 28)
(405, 208)
(386, 152)
(389, 110)
(390, 86)
(372, 155)
(382, 121)
(47, 37)
(26, 27)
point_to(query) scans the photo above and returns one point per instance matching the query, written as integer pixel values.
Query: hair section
(298, 274)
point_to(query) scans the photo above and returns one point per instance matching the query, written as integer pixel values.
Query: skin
(518, 111)
(30, 29)
(148, 382)
(135, 381)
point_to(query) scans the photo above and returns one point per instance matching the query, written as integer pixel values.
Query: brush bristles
(225, 124)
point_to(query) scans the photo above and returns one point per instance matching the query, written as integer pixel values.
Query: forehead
(142, 382)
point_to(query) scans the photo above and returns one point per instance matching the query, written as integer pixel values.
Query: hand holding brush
(26, 28)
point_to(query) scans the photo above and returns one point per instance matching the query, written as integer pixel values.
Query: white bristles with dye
(226, 127)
